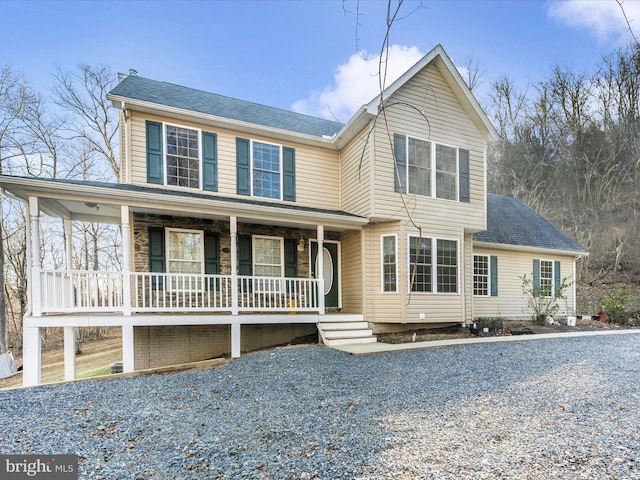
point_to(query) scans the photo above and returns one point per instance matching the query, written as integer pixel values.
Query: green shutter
(494, 275)
(157, 260)
(154, 153)
(211, 253)
(245, 255)
(400, 175)
(536, 278)
(556, 278)
(243, 169)
(289, 174)
(290, 257)
(463, 159)
(209, 162)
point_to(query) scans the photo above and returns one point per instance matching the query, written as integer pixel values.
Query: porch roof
(101, 202)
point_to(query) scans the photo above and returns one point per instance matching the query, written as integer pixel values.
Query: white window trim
(183, 230)
(165, 153)
(395, 241)
(253, 252)
(280, 172)
(433, 173)
(434, 265)
(553, 278)
(488, 258)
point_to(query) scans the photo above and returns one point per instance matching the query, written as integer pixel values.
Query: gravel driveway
(554, 408)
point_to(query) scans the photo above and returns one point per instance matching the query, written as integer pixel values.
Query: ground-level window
(268, 256)
(423, 277)
(389, 263)
(546, 278)
(481, 275)
(185, 256)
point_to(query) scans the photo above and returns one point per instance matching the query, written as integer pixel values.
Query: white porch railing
(65, 291)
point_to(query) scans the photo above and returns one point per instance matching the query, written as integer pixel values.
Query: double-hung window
(181, 156)
(431, 169)
(389, 263)
(268, 261)
(546, 278)
(481, 275)
(265, 170)
(185, 256)
(433, 265)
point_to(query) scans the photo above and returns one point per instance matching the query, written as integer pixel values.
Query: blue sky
(303, 55)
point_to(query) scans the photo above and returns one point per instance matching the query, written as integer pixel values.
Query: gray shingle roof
(511, 222)
(170, 95)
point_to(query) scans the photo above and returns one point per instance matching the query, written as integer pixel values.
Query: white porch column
(235, 340)
(320, 269)
(128, 352)
(126, 260)
(69, 353)
(233, 231)
(36, 280)
(235, 327)
(31, 357)
(68, 244)
(69, 332)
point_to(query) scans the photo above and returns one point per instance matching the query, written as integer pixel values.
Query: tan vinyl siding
(382, 307)
(510, 302)
(355, 174)
(317, 169)
(446, 123)
(352, 272)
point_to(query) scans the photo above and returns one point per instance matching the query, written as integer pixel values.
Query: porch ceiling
(101, 202)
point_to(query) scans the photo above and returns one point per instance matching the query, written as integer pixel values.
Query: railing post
(233, 228)
(126, 261)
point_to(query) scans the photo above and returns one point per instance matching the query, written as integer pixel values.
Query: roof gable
(443, 63)
(511, 222)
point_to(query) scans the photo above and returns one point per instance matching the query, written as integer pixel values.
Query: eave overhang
(97, 202)
(529, 248)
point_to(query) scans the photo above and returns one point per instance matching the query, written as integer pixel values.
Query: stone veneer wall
(141, 223)
(160, 346)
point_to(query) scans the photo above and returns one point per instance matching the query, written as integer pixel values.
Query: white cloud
(603, 17)
(355, 83)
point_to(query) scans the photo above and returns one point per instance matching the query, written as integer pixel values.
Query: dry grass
(96, 359)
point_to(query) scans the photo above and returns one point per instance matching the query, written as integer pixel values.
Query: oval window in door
(327, 270)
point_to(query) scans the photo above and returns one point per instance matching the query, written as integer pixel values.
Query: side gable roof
(511, 222)
(156, 92)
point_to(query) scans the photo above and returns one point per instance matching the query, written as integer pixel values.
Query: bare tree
(83, 93)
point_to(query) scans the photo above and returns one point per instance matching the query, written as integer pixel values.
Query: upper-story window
(431, 169)
(265, 170)
(181, 156)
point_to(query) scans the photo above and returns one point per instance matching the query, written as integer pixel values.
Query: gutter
(529, 248)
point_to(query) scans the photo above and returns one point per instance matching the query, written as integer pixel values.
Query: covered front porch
(136, 296)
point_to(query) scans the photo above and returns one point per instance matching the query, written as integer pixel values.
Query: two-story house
(245, 226)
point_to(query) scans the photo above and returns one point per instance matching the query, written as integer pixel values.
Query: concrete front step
(327, 326)
(332, 334)
(349, 341)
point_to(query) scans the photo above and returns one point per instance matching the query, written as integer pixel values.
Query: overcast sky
(301, 55)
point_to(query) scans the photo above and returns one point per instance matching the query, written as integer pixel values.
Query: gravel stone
(553, 408)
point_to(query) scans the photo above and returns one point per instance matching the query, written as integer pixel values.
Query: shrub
(615, 304)
(539, 305)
